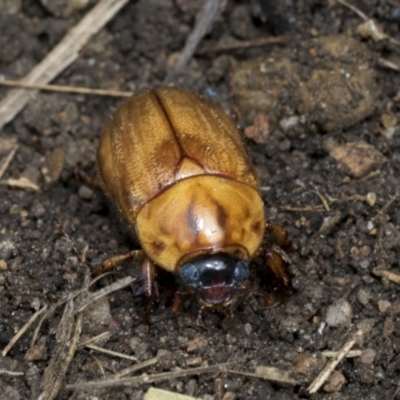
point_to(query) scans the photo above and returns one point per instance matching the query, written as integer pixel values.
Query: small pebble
(196, 344)
(229, 396)
(368, 356)
(383, 305)
(7, 249)
(97, 314)
(335, 382)
(359, 158)
(366, 325)
(364, 296)
(85, 192)
(370, 198)
(38, 210)
(3, 265)
(194, 361)
(339, 314)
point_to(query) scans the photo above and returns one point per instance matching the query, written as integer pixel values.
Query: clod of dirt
(359, 158)
(388, 327)
(259, 131)
(339, 91)
(85, 193)
(306, 363)
(335, 382)
(50, 113)
(54, 164)
(199, 342)
(383, 305)
(368, 356)
(97, 315)
(37, 352)
(339, 314)
(8, 248)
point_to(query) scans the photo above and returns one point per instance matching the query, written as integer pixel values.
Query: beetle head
(215, 276)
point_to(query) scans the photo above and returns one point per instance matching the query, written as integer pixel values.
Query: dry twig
(65, 53)
(383, 273)
(23, 330)
(329, 368)
(303, 209)
(110, 352)
(8, 148)
(145, 379)
(10, 373)
(269, 373)
(210, 11)
(65, 89)
(68, 334)
(134, 368)
(350, 354)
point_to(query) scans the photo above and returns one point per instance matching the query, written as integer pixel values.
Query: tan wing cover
(164, 135)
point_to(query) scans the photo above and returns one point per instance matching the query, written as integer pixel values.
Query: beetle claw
(199, 319)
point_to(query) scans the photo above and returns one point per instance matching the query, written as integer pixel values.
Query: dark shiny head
(215, 276)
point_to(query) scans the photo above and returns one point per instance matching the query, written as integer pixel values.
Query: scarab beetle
(177, 169)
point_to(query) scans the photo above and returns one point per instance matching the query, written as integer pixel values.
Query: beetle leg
(280, 235)
(92, 180)
(177, 302)
(199, 319)
(278, 268)
(113, 261)
(281, 279)
(148, 272)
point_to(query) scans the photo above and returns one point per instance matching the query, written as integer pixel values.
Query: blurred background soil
(320, 108)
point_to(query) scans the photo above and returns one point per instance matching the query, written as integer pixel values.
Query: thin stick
(23, 330)
(209, 12)
(354, 9)
(383, 273)
(65, 89)
(350, 354)
(10, 373)
(303, 209)
(5, 162)
(68, 334)
(94, 296)
(103, 336)
(325, 373)
(137, 380)
(134, 368)
(110, 352)
(322, 198)
(64, 54)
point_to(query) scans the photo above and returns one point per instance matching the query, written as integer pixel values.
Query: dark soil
(337, 244)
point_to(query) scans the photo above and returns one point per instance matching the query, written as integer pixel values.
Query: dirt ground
(323, 106)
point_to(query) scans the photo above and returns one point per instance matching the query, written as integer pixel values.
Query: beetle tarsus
(148, 272)
(111, 262)
(281, 279)
(280, 235)
(199, 319)
(92, 180)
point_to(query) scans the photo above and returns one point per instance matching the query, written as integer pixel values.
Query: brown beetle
(177, 169)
